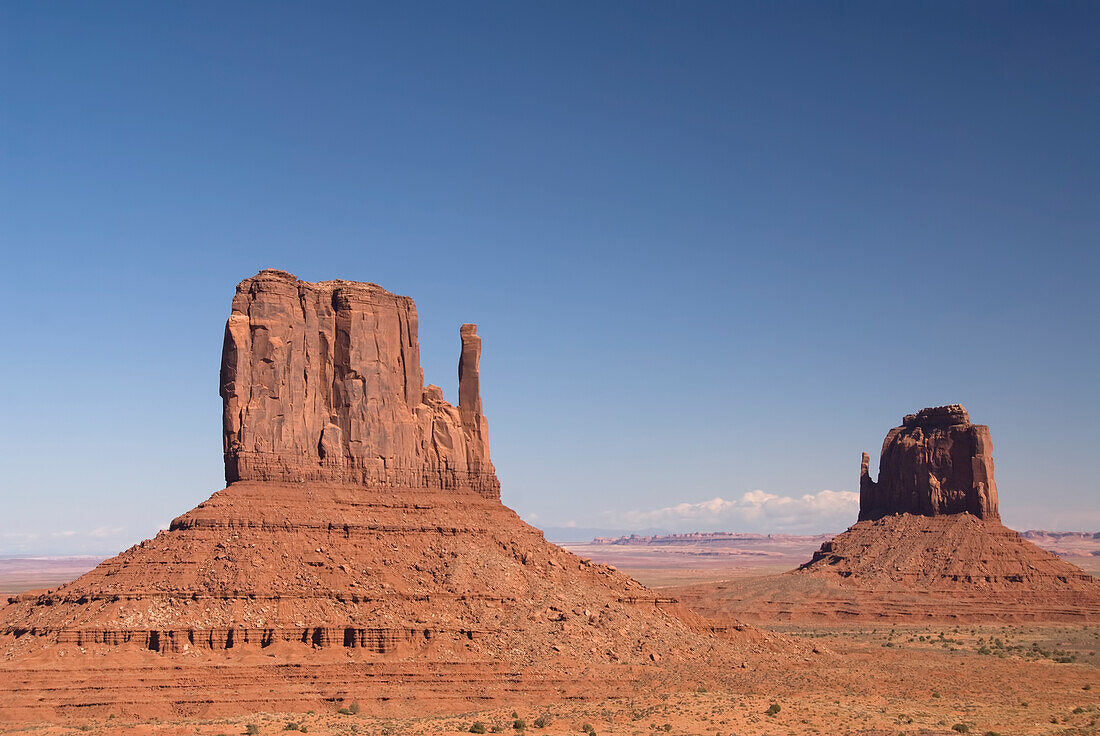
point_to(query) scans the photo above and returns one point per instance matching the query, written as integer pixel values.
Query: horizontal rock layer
(321, 382)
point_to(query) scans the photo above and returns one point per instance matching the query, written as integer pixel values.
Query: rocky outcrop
(935, 463)
(322, 382)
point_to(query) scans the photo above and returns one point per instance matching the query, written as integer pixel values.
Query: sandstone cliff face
(935, 463)
(322, 382)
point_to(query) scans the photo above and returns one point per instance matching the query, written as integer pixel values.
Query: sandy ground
(911, 680)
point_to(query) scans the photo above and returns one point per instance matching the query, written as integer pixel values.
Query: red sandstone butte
(360, 553)
(928, 545)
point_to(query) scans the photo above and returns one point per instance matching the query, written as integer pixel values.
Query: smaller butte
(928, 545)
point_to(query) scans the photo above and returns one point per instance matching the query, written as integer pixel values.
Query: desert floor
(942, 678)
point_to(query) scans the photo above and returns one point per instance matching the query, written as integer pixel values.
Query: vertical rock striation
(935, 463)
(322, 382)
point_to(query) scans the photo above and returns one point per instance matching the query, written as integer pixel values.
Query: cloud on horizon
(99, 541)
(755, 511)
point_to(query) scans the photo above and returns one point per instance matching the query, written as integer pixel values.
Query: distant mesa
(928, 545)
(360, 553)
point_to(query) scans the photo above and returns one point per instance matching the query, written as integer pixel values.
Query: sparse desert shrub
(251, 729)
(587, 728)
(1087, 687)
(961, 728)
(290, 726)
(542, 721)
(519, 724)
(497, 728)
(477, 727)
(772, 709)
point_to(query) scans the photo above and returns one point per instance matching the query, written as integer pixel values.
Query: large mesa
(360, 553)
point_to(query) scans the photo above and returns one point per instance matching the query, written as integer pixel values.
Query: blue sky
(714, 249)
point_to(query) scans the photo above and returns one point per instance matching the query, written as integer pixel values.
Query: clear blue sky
(713, 248)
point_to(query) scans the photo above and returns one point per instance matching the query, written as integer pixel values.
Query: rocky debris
(935, 463)
(322, 382)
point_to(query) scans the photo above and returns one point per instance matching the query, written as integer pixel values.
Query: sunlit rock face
(322, 382)
(935, 463)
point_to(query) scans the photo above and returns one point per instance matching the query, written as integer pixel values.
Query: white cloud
(103, 531)
(66, 533)
(757, 511)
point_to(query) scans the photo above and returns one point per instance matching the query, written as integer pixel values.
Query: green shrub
(290, 726)
(477, 727)
(542, 721)
(519, 724)
(772, 709)
(252, 729)
(961, 728)
(497, 728)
